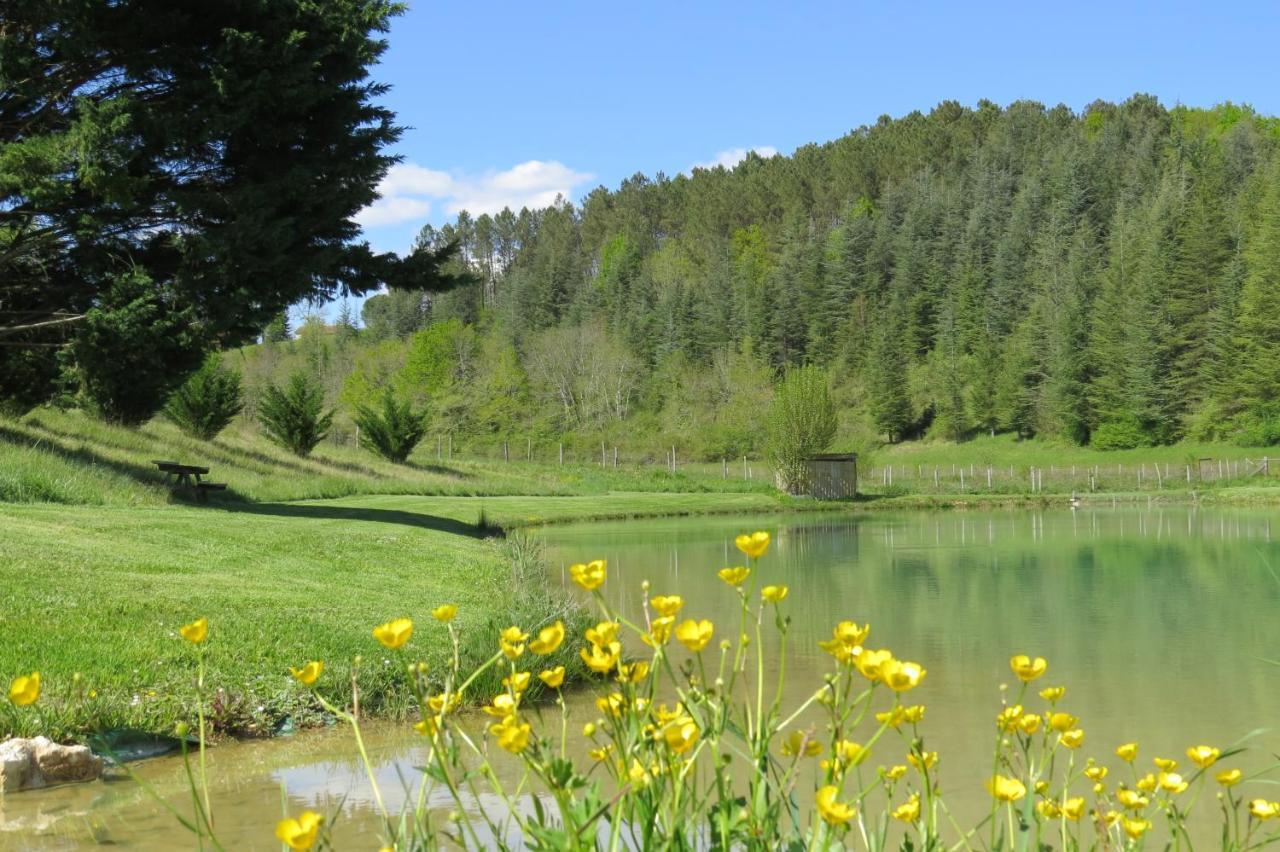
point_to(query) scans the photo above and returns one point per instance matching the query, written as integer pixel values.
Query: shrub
(802, 421)
(392, 432)
(1122, 433)
(295, 417)
(209, 400)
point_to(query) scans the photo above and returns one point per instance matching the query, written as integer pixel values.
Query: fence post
(744, 467)
(1188, 474)
(528, 448)
(450, 446)
(562, 453)
(506, 452)
(438, 450)
(936, 487)
(988, 477)
(961, 479)
(615, 456)
(604, 458)
(724, 468)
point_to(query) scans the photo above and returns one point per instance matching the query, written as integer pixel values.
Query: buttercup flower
(1073, 808)
(923, 762)
(25, 689)
(869, 662)
(659, 631)
(900, 676)
(734, 576)
(1135, 827)
(1095, 773)
(1147, 783)
(513, 735)
(589, 576)
(680, 735)
(308, 674)
(1203, 756)
(503, 705)
(1007, 719)
(908, 811)
(299, 833)
(552, 677)
(601, 659)
(1006, 789)
(893, 773)
(1026, 668)
(1165, 764)
(548, 639)
(1029, 724)
(1061, 721)
(603, 633)
(1263, 809)
(394, 633)
(774, 594)
(1172, 782)
(1127, 752)
(633, 672)
(196, 631)
(796, 743)
(1229, 777)
(695, 635)
(517, 681)
(1071, 739)
(666, 605)
(444, 612)
(1053, 694)
(511, 642)
(1131, 799)
(753, 545)
(832, 811)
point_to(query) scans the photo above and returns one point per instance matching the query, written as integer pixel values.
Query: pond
(1160, 622)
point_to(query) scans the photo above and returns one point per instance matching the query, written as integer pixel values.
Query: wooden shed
(833, 476)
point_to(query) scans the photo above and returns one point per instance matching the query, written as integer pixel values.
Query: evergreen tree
(295, 417)
(890, 405)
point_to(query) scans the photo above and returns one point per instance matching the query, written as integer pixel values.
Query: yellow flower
(1127, 752)
(847, 751)
(1172, 782)
(850, 634)
(1061, 721)
(1165, 764)
(924, 762)
(1071, 739)
(601, 659)
(517, 681)
(1053, 694)
(444, 702)
(869, 662)
(511, 642)
(908, 811)
(601, 753)
(896, 716)
(589, 576)
(309, 673)
(444, 612)
(1041, 787)
(512, 734)
(900, 676)
(774, 594)
(552, 677)
(734, 576)
(426, 726)
(832, 811)
(1135, 827)
(1203, 756)
(659, 631)
(603, 633)
(299, 833)
(1007, 719)
(613, 704)
(196, 631)
(1095, 773)
(1026, 668)
(1131, 799)
(1006, 789)
(394, 633)
(1029, 724)
(695, 635)
(798, 742)
(1147, 783)
(753, 545)
(666, 605)
(638, 775)
(503, 705)
(893, 773)
(633, 672)
(25, 689)
(681, 735)
(1073, 808)
(1048, 809)
(1229, 777)
(914, 713)
(1263, 809)
(548, 639)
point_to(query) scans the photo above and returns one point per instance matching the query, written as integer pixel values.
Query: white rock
(28, 764)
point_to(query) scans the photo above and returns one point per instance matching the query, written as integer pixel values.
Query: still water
(1161, 623)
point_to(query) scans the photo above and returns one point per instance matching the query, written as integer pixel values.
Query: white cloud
(409, 191)
(733, 156)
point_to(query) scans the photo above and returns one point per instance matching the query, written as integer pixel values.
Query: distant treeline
(1108, 277)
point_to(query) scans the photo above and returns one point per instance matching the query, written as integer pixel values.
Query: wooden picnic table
(188, 477)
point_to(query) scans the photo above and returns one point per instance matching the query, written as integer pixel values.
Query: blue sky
(513, 102)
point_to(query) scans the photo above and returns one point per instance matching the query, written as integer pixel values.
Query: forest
(1109, 277)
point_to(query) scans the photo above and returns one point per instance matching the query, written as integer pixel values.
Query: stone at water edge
(28, 764)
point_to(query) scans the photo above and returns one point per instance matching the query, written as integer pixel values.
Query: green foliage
(392, 432)
(1123, 433)
(802, 421)
(207, 402)
(295, 417)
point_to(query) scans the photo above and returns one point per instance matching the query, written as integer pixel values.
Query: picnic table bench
(188, 477)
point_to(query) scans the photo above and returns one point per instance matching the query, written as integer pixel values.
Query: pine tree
(1257, 341)
(890, 404)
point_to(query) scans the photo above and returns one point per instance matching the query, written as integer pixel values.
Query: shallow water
(1160, 622)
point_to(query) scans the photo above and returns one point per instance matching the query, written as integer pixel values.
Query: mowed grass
(68, 457)
(1006, 450)
(102, 591)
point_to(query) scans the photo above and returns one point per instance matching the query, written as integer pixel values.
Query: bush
(393, 432)
(295, 417)
(802, 421)
(209, 400)
(1122, 433)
